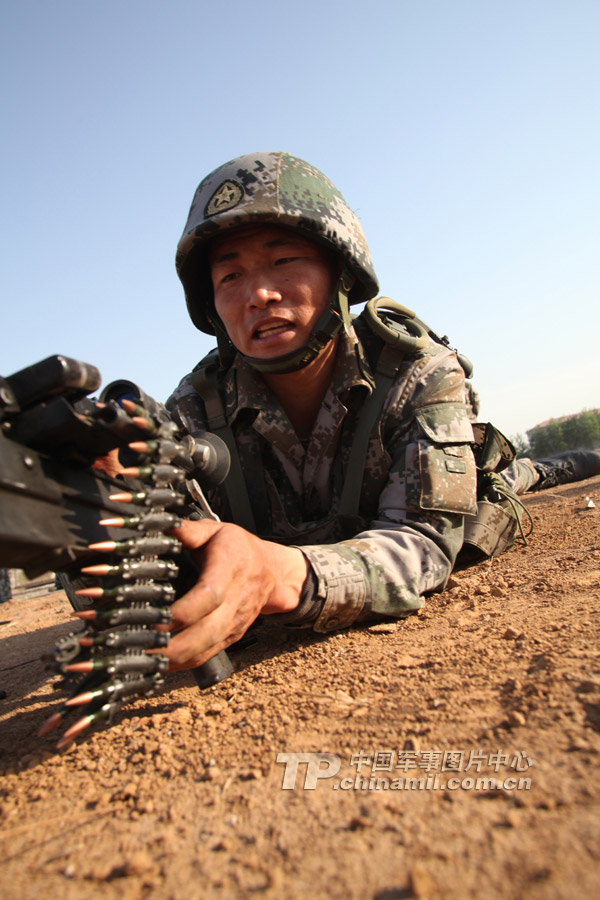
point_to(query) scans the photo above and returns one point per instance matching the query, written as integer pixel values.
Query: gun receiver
(56, 503)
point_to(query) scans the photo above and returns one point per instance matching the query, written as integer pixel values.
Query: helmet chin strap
(335, 318)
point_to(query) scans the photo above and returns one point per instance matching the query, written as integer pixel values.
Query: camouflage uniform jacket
(419, 477)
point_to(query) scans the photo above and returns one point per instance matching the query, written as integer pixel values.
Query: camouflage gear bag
(499, 510)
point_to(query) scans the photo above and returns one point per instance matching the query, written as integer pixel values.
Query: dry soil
(182, 797)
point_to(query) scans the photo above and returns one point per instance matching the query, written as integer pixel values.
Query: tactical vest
(399, 333)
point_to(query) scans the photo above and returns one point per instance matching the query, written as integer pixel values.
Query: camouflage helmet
(275, 189)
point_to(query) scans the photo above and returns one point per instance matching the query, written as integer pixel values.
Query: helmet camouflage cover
(275, 189)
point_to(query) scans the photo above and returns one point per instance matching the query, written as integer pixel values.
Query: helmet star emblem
(227, 195)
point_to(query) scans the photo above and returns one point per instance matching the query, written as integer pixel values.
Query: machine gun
(58, 510)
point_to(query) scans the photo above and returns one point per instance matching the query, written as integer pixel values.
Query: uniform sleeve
(410, 547)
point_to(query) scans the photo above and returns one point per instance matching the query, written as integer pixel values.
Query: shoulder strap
(402, 333)
(386, 368)
(204, 381)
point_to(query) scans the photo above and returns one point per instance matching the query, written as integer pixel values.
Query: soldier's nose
(262, 296)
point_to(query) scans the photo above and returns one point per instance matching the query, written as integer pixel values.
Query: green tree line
(581, 431)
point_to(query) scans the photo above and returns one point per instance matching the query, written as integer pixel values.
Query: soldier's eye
(285, 259)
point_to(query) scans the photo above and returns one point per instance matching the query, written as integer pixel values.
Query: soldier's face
(271, 285)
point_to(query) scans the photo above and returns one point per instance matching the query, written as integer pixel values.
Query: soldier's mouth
(271, 330)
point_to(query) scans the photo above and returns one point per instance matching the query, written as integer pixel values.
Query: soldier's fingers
(192, 646)
(198, 603)
(201, 641)
(194, 535)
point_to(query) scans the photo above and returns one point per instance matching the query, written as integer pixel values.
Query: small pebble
(516, 718)
(138, 863)
(422, 883)
(511, 635)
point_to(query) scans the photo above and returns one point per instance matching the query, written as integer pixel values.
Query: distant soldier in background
(526, 474)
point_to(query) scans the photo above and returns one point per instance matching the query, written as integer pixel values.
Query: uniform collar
(245, 388)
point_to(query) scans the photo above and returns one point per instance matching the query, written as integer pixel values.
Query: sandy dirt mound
(461, 744)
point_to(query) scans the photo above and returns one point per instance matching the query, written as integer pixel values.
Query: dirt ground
(182, 798)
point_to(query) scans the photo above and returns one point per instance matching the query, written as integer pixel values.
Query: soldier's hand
(109, 463)
(241, 578)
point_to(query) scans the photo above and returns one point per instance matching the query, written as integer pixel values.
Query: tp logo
(318, 765)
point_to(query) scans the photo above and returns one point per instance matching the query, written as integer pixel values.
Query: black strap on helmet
(332, 321)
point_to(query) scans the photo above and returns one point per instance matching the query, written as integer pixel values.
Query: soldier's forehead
(269, 235)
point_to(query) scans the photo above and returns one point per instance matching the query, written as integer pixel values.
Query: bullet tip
(80, 699)
(86, 666)
(50, 723)
(93, 592)
(73, 731)
(103, 546)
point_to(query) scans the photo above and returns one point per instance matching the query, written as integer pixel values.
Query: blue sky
(465, 134)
